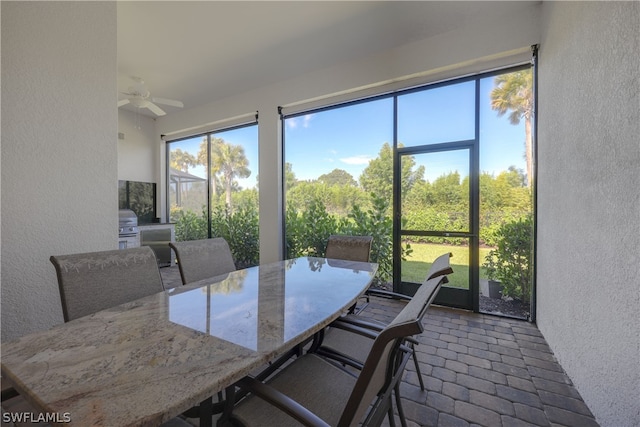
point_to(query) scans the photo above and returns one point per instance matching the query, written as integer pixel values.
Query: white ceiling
(198, 52)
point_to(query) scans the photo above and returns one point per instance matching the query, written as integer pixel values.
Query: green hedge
(239, 228)
(309, 224)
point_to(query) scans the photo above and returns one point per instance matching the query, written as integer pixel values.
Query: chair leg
(392, 421)
(415, 362)
(403, 421)
(206, 412)
(352, 309)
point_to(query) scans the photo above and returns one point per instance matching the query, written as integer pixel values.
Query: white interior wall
(59, 153)
(138, 154)
(445, 55)
(589, 202)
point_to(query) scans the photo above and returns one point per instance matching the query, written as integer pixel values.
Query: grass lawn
(415, 268)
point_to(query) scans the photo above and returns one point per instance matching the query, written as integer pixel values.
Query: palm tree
(231, 161)
(181, 160)
(215, 164)
(514, 92)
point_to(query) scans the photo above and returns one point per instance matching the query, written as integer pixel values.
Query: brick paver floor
(482, 370)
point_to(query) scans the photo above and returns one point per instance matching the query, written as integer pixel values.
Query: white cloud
(304, 121)
(362, 159)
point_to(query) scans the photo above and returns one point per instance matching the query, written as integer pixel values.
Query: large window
(450, 162)
(339, 177)
(213, 189)
(506, 193)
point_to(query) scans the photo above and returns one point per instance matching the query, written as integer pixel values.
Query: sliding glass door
(437, 134)
(213, 189)
(435, 218)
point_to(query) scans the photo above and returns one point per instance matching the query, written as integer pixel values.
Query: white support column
(270, 171)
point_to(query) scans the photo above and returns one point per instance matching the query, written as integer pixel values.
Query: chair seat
(316, 384)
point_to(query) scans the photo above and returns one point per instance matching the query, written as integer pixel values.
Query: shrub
(189, 225)
(510, 261)
(307, 232)
(374, 222)
(317, 225)
(240, 230)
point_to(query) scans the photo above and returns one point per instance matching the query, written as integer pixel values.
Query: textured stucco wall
(589, 208)
(139, 151)
(59, 149)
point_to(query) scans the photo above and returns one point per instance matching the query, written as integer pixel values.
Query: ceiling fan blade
(170, 102)
(157, 110)
(123, 102)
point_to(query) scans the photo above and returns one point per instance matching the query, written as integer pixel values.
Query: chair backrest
(349, 248)
(440, 266)
(94, 281)
(382, 369)
(201, 259)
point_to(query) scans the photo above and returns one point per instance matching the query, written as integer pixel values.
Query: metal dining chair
(95, 281)
(341, 343)
(202, 259)
(349, 248)
(314, 390)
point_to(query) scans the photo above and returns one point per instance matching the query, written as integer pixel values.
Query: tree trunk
(528, 152)
(228, 191)
(213, 189)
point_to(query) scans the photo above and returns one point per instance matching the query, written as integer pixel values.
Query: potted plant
(495, 286)
(510, 261)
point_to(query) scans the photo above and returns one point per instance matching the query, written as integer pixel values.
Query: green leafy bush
(308, 231)
(510, 261)
(376, 223)
(317, 225)
(309, 224)
(240, 229)
(189, 225)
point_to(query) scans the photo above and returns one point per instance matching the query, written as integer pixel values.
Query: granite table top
(146, 361)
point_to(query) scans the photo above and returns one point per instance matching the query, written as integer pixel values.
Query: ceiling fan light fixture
(139, 102)
(140, 97)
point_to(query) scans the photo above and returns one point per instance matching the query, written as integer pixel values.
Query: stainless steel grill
(128, 233)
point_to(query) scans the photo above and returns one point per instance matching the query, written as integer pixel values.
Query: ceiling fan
(140, 97)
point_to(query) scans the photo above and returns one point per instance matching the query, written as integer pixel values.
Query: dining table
(149, 360)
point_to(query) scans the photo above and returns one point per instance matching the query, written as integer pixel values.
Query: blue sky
(348, 138)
